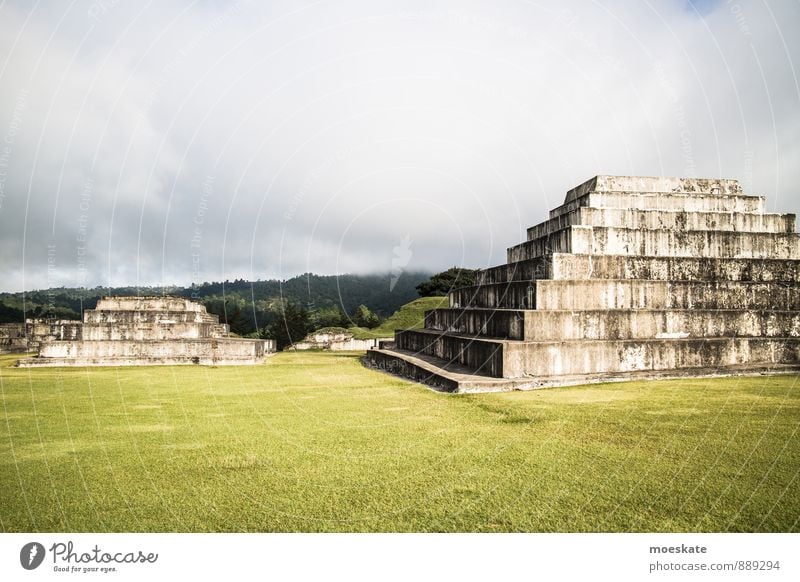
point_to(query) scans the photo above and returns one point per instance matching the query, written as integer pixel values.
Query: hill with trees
(409, 316)
(287, 310)
(442, 283)
(248, 307)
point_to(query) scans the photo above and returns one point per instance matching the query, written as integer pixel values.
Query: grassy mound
(332, 330)
(409, 316)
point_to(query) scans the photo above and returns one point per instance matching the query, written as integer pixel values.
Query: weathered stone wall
(604, 183)
(153, 303)
(600, 357)
(93, 316)
(629, 294)
(658, 219)
(484, 356)
(227, 348)
(665, 202)
(350, 345)
(156, 318)
(12, 338)
(563, 266)
(571, 267)
(336, 342)
(40, 331)
(597, 240)
(131, 353)
(556, 325)
(149, 331)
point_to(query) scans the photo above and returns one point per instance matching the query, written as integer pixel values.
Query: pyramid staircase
(632, 277)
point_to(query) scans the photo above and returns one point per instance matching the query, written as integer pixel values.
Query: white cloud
(330, 131)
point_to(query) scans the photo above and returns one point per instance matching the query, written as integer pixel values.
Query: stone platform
(130, 331)
(632, 277)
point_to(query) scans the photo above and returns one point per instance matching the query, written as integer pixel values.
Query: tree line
(285, 310)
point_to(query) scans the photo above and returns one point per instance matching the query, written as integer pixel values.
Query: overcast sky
(175, 142)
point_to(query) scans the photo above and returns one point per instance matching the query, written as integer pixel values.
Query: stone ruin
(29, 336)
(335, 340)
(41, 331)
(130, 331)
(12, 338)
(631, 277)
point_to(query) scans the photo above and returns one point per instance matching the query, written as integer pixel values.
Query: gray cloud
(179, 142)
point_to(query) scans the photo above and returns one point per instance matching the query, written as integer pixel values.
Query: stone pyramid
(632, 277)
(139, 331)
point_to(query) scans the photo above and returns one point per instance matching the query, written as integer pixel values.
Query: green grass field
(314, 441)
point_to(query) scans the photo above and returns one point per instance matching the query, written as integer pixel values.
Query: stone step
(591, 294)
(488, 323)
(529, 270)
(425, 369)
(146, 316)
(665, 201)
(655, 184)
(442, 377)
(567, 266)
(529, 325)
(514, 359)
(481, 355)
(165, 360)
(140, 331)
(671, 219)
(223, 349)
(597, 357)
(148, 303)
(659, 242)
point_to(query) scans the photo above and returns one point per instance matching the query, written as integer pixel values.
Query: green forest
(247, 306)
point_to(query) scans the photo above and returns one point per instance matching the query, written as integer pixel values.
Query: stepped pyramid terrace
(631, 277)
(129, 331)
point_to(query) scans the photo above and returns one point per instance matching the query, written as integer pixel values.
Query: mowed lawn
(316, 442)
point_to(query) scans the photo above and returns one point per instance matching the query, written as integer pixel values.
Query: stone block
(665, 201)
(665, 219)
(660, 243)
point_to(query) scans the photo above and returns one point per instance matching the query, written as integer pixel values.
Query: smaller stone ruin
(40, 331)
(131, 331)
(336, 340)
(12, 338)
(29, 336)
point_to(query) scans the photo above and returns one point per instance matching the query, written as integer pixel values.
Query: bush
(444, 282)
(363, 317)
